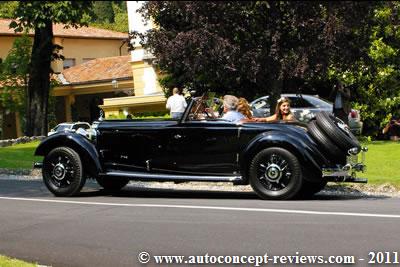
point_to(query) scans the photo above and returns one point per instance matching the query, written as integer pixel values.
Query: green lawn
(382, 159)
(18, 156)
(9, 262)
(383, 162)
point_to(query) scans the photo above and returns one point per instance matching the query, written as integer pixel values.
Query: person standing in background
(176, 104)
(340, 96)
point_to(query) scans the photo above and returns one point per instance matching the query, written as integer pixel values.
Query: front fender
(301, 146)
(86, 150)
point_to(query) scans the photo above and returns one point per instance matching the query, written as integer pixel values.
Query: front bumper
(348, 172)
(38, 165)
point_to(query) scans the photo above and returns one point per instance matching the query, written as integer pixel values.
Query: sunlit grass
(383, 162)
(9, 262)
(18, 156)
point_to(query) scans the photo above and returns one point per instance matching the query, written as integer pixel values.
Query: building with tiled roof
(82, 87)
(79, 46)
(98, 73)
(105, 82)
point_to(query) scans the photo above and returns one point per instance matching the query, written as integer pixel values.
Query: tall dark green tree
(252, 47)
(40, 16)
(103, 11)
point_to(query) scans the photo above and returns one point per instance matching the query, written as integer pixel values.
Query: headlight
(353, 151)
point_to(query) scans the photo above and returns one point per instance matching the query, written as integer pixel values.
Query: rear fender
(86, 150)
(305, 150)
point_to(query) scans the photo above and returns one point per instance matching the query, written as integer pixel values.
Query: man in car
(230, 109)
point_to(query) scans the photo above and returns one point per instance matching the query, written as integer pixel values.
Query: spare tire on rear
(322, 139)
(337, 131)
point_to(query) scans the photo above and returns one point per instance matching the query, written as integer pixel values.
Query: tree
(40, 16)
(103, 11)
(120, 17)
(14, 76)
(375, 80)
(7, 9)
(253, 47)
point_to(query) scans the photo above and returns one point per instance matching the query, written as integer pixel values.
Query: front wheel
(275, 173)
(62, 172)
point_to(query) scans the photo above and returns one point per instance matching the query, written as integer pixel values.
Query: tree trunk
(275, 82)
(39, 81)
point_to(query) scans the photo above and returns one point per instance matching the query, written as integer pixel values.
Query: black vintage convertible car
(280, 160)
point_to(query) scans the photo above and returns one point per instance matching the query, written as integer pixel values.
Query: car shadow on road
(36, 188)
(152, 192)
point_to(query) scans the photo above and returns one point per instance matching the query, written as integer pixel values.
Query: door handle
(177, 136)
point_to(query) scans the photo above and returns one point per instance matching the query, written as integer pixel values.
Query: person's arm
(266, 119)
(386, 129)
(168, 105)
(184, 102)
(290, 117)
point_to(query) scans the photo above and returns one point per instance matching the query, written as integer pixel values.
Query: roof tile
(99, 69)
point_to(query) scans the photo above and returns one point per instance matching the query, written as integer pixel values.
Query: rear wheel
(62, 172)
(275, 173)
(112, 184)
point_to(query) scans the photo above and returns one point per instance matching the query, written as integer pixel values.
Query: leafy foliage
(7, 9)
(40, 16)
(120, 17)
(103, 12)
(14, 75)
(252, 47)
(375, 80)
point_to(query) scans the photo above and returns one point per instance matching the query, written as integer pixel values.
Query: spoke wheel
(275, 173)
(62, 172)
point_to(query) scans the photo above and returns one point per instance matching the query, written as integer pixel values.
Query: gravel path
(356, 190)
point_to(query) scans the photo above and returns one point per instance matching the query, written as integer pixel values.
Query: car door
(201, 147)
(131, 146)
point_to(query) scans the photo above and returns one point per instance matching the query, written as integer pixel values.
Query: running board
(172, 177)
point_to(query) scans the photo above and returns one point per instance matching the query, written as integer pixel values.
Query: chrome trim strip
(38, 165)
(174, 177)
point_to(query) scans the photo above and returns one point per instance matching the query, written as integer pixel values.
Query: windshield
(318, 103)
(62, 127)
(206, 107)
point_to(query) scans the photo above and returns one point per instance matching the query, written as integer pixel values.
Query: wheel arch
(306, 154)
(85, 149)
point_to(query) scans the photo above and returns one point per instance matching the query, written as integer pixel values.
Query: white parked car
(304, 107)
(70, 126)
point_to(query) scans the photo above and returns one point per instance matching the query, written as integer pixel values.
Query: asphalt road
(97, 229)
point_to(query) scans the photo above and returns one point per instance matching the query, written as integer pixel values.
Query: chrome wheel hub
(273, 173)
(59, 171)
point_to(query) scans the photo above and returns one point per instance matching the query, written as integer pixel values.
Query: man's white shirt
(176, 103)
